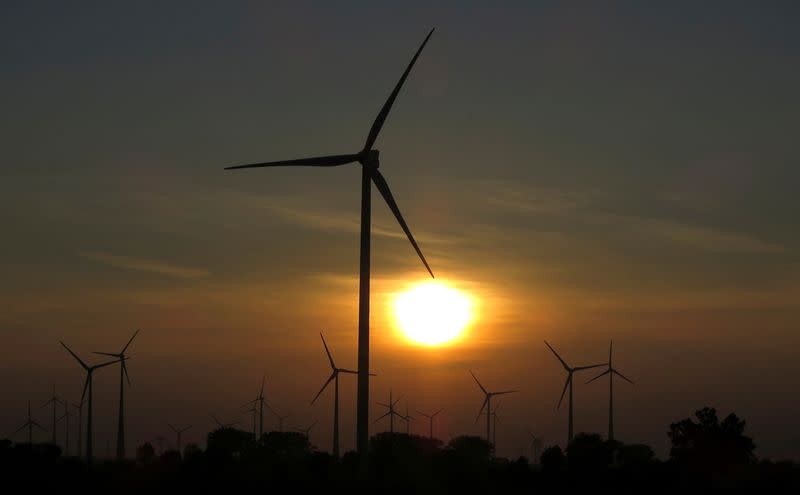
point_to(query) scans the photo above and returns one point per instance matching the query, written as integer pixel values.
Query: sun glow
(432, 313)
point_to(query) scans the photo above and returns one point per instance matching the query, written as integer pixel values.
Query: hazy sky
(588, 172)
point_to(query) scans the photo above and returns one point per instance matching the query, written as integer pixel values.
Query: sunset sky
(584, 172)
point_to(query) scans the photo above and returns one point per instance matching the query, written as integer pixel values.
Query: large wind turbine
(570, 370)
(88, 385)
(392, 412)
(30, 423)
(179, 434)
(123, 370)
(335, 378)
(611, 371)
(430, 419)
(487, 403)
(368, 158)
(55, 400)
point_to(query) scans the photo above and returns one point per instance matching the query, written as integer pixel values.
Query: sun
(432, 313)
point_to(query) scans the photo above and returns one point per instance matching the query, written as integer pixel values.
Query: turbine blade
(125, 370)
(107, 363)
(317, 161)
(382, 404)
(505, 392)
(21, 427)
(622, 376)
(476, 381)
(345, 370)
(330, 379)
(437, 412)
(600, 375)
(563, 363)
(186, 428)
(217, 421)
(422, 413)
(85, 366)
(172, 428)
(85, 386)
(383, 187)
(483, 406)
(129, 342)
(106, 354)
(566, 384)
(34, 423)
(328, 352)
(388, 413)
(580, 368)
(381, 118)
(261, 394)
(610, 345)
(396, 401)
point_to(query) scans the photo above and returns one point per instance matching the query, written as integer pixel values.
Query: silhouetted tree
(553, 458)
(145, 453)
(634, 455)
(588, 451)
(710, 445)
(471, 449)
(192, 451)
(228, 442)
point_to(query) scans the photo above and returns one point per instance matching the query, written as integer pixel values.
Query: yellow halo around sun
(432, 313)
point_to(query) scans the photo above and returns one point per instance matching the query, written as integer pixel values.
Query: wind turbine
(536, 442)
(487, 403)
(66, 417)
(178, 433)
(335, 378)
(280, 419)
(408, 419)
(430, 419)
(570, 370)
(261, 402)
(55, 400)
(88, 385)
(307, 431)
(30, 423)
(123, 370)
(611, 371)
(368, 158)
(392, 412)
(225, 425)
(254, 411)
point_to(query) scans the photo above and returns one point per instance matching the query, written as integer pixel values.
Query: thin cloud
(145, 265)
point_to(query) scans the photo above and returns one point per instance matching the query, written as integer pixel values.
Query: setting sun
(432, 313)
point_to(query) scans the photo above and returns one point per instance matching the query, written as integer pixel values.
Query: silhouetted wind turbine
(335, 378)
(55, 400)
(123, 370)
(261, 402)
(225, 425)
(65, 417)
(368, 158)
(536, 442)
(307, 431)
(430, 419)
(280, 418)
(487, 403)
(392, 411)
(254, 411)
(88, 385)
(30, 423)
(178, 434)
(568, 383)
(408, 419)
(611, 371)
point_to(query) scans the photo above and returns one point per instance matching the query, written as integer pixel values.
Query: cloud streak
(145, 265)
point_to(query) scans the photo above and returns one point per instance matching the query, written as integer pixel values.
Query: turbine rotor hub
(371, 159)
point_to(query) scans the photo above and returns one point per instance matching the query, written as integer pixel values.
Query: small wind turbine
(306, 431)
(65, 417)
(281, 419)
(254, 412)
(88, 385)
(568, 384)
(368, 158)
(335, 378)
(392, 412)
(487, 404)
(55, 400)
(430, 419)
(178, 434)
(123, 370)
(408, 419)
(223, 425)
(261, 403)
(30, 423)
(536, 443)
(611, 371)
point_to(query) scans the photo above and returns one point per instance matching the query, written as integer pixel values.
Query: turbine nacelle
(370, 159)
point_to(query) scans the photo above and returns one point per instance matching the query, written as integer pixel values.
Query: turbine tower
(55, 400)
(254, 412)
(392, 412)
(65, 417)
(179, 434)
(79, 408)
(368, 158)
(335, 378)
(487, 403)
(611, 371)
(123, 370)
(88, 385)
(30, 423)
(408, 419)
(568, 384)
(430, 419)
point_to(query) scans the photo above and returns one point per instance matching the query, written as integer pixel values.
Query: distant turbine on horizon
(123, 370)
(55, 400)
(392, 412)
(261, 403)
(430, 419)
(30, 423)
(368, 158)
(306, 431)
(88, 385)
(223, 425)
(65, 417)
(487, 403)
(408, 419)
(611, 371)
(178, 434)
(568, 383)
(536, 443)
